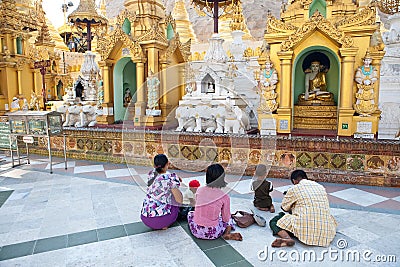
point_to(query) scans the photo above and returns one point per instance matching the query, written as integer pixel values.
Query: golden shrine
(19, 79)
(337, 35)
(144, 41)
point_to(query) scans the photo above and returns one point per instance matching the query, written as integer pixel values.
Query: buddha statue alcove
(316, 91)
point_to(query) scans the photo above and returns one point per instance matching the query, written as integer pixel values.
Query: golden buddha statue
(315, 86)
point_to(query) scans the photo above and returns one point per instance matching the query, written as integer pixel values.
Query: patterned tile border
(370, 162)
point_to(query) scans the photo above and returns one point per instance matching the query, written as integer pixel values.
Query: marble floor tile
(359, 234)
(86, 169)
(242, 187)
(70, 164)
(358, 196)
(120, 173)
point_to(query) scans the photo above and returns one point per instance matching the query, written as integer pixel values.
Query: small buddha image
(210, 88)
(315, 84)
(127, 97)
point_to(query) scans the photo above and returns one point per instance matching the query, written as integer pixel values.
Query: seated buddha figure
(315, 85)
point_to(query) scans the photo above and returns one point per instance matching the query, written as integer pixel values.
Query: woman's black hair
(160, 161)
(298, 175)
(215, 176)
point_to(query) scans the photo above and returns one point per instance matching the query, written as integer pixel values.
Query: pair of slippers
(259, 219)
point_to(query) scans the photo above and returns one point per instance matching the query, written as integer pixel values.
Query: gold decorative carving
(126, 14)
(317, 21)
(365, 105)
(367, 16)
(170, 20)
(175, 44)
(154, 34)
(277, 26)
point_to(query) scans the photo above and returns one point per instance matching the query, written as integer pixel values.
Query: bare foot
(272, 209)
(165, 228)
(233, 236)
(263, 209)
(282, 242)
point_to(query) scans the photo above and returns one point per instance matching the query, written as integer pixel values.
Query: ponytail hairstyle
(160, 161)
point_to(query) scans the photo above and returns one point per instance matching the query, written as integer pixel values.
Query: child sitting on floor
(188, 200)
(262, 187)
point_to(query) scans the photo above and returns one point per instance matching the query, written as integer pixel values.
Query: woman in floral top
(161, 203)
(212, 216)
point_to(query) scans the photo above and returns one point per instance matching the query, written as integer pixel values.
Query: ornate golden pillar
(181, 84)
(284, 120)
(19, 79)
(108, 114)
(377, 57)
(346, 111)
(164, 99)
(140, 105)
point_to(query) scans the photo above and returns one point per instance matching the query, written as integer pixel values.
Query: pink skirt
(204, 232)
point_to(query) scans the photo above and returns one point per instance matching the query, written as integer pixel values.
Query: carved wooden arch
(317, 21)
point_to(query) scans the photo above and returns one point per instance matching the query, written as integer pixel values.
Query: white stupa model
(220, 92)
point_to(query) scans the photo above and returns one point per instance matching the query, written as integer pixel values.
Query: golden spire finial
(237, 23)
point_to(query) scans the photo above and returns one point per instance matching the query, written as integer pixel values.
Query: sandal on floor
(259, 220)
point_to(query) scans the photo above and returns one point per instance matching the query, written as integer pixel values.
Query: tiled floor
(89, 215)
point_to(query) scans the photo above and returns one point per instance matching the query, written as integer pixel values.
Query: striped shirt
(311, 221)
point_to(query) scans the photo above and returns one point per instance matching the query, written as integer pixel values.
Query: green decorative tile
(111, 232)
(204, 244)
(224, 255)
(51, 243)
(17, 250)
(321, 160)
(4, 195)
(81, 238)
(304, 160)
(136, 228)
(355, 162)
(338, 161)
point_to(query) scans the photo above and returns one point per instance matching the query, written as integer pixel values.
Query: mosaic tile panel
(304, 160)
(224, 155)
(240, 155)
(117, 147)
(355, 162)
(254, 157)
(173, 151)
(211, 153)
(321, 160)
(375, 163)
(347, 160)
(286, 159)
(393, 164)
(191, 152)
(338, 161)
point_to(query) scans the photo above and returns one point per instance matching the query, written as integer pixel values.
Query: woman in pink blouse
(163, 197)
(212, 216)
